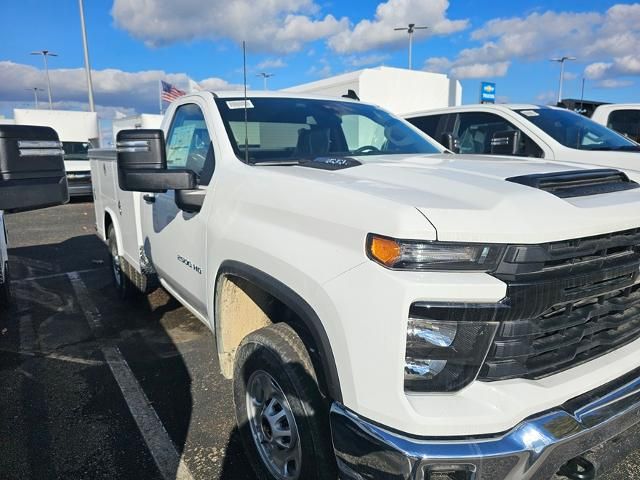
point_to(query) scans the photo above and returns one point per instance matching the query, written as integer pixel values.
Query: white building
(144, 120)
(396, 89)
(74, 128)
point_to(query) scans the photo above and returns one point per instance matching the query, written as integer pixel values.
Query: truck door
(175, 240)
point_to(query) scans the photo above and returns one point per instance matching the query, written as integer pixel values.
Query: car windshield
(76, 150)
(575, 131)
(294, 128)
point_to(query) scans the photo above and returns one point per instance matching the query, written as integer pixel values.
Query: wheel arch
(305, 321)
(109, 220)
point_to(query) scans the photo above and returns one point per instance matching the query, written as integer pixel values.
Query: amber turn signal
(384, 250)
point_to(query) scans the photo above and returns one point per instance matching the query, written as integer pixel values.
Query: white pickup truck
(621, 117)
(528, 131)
(386, 310)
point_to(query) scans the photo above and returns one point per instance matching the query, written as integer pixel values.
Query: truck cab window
(189, 144)
(626, 122)
(432, 125)
(476, 130)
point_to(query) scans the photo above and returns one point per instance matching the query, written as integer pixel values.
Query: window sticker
(530, 113)
(178, 147)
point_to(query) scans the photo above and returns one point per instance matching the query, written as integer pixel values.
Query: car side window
(478, 132)
(429, 124)
(189, 144)
(626, 122)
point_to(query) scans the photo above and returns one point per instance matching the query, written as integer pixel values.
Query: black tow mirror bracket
(190, 201)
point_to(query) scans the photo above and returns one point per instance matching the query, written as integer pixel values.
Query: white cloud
(438, 64)
(321, 69)
(271, 63)
(613, 83)
(590, 36)
(273, 25)
(548, 97)
(570, 76)
(628, 65)
(365, 60)
(112, 87)
(480, 70)
(379, 32)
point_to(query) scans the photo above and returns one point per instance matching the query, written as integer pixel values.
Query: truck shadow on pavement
(62, 412)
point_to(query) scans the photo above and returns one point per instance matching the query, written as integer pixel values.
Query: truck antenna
(246, 127)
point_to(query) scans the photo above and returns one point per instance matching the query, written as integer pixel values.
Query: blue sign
(487, 92)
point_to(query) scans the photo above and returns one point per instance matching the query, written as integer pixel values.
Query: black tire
(279, 351)
(125, 287)
(5, 288)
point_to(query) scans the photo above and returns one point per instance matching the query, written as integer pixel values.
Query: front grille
(569, 302)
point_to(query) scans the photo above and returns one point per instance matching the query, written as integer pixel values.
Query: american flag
(170, 92)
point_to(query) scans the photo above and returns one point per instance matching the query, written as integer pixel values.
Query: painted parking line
(162, 448)
(54, 275)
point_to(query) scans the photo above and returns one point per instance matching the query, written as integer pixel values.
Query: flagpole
(160, 94)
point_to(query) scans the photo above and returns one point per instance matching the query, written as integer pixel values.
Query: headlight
(424, 255)
(447, 344)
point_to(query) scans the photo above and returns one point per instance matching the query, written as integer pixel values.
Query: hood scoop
(578, 183)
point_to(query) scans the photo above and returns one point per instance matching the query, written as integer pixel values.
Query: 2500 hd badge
(190, 264)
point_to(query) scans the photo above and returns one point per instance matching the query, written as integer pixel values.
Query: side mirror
(32, 171)
(142, 164)
(190, 201)
(450, 141)
(505, 143)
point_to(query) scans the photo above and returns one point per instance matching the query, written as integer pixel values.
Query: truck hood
(627, 161)
(467, 198)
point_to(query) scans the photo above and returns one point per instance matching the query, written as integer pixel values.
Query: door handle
(149, 197)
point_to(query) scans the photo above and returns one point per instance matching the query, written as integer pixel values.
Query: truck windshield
(575, 131)
(76, 150)
(295, 128)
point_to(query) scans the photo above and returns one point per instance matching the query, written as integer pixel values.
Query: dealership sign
(487, 92)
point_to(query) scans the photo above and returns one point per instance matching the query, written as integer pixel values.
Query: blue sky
(135, 42)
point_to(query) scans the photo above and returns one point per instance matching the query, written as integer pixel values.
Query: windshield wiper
(274, 163)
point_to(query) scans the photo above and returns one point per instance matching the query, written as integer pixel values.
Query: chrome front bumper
(79, 184)
(601, 426)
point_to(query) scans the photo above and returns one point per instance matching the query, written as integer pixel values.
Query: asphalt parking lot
(92, 388)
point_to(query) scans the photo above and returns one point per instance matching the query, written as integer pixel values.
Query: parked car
(621, 117)
(528, 131)
(384, 308)
(32, 175)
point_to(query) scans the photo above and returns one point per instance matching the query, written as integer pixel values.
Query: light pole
(561, 61)
(45, 54)
(35, 91)
(87, 65)
(264, 76)
(410, 29)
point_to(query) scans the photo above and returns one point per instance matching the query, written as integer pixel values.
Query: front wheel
(282, 418)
